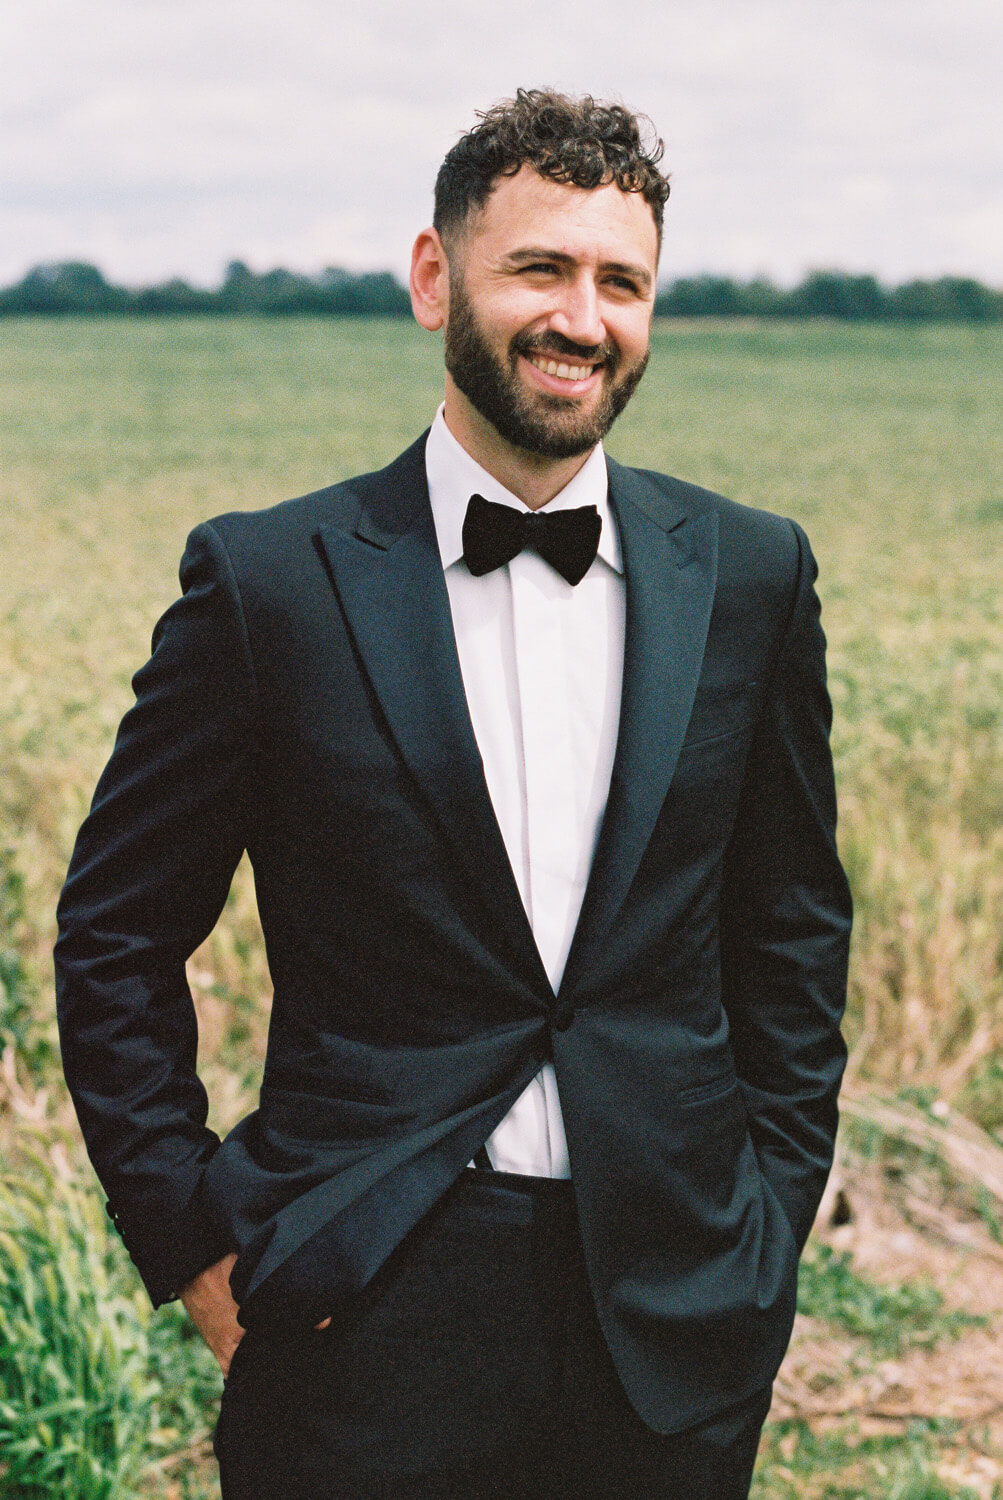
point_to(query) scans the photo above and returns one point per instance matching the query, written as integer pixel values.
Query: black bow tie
(567, 539)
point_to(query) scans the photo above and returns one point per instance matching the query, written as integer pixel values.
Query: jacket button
(563, 1018)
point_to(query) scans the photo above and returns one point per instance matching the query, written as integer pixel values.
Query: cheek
(631, 335)
(639, 341)
(530, 318)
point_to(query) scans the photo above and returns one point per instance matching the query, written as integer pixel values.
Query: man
(539, 803)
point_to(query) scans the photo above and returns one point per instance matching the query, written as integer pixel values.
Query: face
(551, 290)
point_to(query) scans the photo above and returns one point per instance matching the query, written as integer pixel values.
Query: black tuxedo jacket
(304, 702)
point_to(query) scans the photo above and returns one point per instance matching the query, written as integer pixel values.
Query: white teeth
(563, 371)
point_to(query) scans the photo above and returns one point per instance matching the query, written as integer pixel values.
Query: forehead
(588, 223)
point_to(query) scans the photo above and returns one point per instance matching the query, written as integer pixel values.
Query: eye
(625, 284)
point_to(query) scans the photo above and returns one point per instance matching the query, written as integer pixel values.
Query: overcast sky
(165, 137)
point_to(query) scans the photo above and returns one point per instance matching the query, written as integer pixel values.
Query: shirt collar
(453, 476)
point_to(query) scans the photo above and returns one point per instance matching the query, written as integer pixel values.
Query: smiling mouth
(561, 369)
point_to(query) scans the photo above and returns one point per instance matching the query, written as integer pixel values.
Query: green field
(883, 442)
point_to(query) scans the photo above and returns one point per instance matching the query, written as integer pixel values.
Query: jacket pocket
(708, 1089)
(720, 712)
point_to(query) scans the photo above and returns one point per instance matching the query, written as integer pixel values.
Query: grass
(797, 1463)
(96, 1389)
(890, 1318)
(884, 443)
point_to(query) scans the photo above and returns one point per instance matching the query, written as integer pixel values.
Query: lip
(555, 386)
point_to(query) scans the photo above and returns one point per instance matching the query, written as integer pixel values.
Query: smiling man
(546, 300)
(529, 751)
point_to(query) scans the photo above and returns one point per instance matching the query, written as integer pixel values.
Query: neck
(531, 477)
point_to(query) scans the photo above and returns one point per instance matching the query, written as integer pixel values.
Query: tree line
(76, 287)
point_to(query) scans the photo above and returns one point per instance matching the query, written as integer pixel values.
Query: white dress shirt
(542, 663)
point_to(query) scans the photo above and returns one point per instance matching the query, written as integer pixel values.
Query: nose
(577, 316)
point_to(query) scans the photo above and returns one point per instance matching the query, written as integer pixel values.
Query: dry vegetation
(884, 443)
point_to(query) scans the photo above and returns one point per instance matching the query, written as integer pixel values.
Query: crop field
(885, 444)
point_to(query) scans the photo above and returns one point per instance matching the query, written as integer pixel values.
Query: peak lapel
(670, 565)
(388, 576)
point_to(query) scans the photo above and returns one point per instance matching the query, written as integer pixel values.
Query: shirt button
(563, 1018)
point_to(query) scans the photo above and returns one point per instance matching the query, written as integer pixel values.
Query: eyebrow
(618, 267)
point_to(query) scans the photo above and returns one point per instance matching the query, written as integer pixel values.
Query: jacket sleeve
(149, 876)
(786, 914)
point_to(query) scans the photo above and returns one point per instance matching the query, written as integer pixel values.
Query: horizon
(317, 273)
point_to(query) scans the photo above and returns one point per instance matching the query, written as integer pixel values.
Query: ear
(429, 281)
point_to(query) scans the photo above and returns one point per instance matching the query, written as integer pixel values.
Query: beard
(547, 425)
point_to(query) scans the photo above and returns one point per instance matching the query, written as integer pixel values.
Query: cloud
(162, 136)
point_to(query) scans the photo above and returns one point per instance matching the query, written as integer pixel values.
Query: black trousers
(472, 1367)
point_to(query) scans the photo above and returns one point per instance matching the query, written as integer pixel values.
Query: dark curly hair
(579, 141)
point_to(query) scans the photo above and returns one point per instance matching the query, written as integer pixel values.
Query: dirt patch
(904, 1222)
